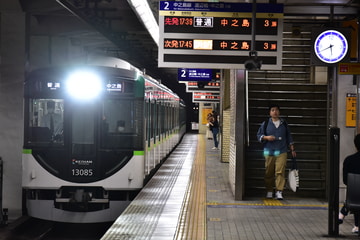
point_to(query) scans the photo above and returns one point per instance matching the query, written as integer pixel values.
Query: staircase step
(304, 106)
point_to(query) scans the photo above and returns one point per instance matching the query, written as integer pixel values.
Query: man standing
(352, 165)
(214, 127)
(275, 134)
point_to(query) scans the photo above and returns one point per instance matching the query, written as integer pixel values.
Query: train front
(83, 156)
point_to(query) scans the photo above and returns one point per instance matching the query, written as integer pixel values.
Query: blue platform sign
(193, 74)
(219, 7)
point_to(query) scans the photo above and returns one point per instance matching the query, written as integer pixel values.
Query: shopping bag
(293, 176)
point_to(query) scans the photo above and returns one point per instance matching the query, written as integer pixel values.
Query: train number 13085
(82, 172)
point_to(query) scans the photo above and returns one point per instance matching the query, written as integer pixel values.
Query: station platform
(190, 198)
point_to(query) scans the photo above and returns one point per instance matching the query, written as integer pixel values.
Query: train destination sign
(196, 32)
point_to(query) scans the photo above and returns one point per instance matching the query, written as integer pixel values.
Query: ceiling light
(143, 11)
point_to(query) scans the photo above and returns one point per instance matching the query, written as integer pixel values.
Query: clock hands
(328, 48)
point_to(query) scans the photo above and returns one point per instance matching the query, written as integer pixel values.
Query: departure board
(217, 25)
(228, 45)
(205, 97)
(219, 35)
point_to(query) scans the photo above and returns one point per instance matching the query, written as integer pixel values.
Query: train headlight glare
(83, 85)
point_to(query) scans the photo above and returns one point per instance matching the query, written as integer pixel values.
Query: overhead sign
(218, 35)
(197, 74)
(349, 68)
(206, 97)
(207, 87)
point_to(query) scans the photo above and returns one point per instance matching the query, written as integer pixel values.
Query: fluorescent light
(143, 11)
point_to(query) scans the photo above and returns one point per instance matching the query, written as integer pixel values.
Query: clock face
(331, 46)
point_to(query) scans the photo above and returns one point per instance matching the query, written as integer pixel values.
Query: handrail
(3, 211)
(247, 111)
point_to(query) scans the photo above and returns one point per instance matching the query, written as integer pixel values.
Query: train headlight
(83, 85)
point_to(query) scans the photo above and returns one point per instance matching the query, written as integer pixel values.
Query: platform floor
(256, 219)
(207, 209)
(190, 198)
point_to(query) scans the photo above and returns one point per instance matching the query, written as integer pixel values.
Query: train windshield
(119, 127)
(46, 121)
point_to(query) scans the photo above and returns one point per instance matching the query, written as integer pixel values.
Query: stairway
(304, 106)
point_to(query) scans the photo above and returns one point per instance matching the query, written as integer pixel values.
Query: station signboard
(197, 74)
(351, 110)
(349, 68)
(219, 35)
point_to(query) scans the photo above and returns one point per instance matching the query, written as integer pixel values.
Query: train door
(83, 141)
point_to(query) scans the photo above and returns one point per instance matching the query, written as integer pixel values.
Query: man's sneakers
(355, 230)
(278, 195)
(269, 195)
(341, 218)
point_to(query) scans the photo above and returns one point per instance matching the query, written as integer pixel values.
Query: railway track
(37, 229)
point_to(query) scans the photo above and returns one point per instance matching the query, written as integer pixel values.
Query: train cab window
(119, 124)
(46, 121)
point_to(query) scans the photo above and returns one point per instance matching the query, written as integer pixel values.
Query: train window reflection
(83, 130)
(46, 120)
(118, 124)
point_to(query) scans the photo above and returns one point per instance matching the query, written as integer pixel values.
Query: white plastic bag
(293, 179)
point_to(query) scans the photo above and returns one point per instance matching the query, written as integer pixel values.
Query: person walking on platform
(208, 129)
(214, 126)
(276, 137)
(351, 165)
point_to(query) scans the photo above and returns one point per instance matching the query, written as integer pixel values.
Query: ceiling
(112, 27)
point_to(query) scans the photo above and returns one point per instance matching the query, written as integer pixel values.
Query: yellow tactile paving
(268, 202)
(272, 202)
(193, 216)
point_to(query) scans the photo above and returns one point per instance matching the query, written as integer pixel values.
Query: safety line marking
(272, 202)
(263, 205)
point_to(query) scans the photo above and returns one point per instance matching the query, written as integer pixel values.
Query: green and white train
(111, 128)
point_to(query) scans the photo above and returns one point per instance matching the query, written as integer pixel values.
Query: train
(94, 133)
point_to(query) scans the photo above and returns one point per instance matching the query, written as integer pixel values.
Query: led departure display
(219, 35)
(216, 25)
(206, 97)
(230, 45)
